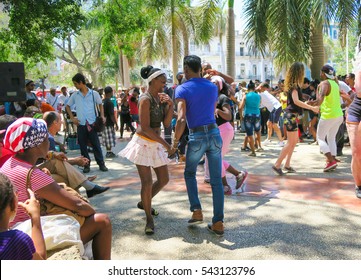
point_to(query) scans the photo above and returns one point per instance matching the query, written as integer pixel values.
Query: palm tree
(177, 24)
(220, 31)
(231, 55)
(294, 29)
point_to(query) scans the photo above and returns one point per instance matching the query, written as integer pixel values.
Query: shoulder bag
(98, 125)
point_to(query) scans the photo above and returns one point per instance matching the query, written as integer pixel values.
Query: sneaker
(266, 142)
(259, 150)
(96, 190)
(358, 191)
(110, 155)
(86, 169)
(217, 228)
(278, 171)
(252, 154)
(245, 149)
(281, 144)
(330, 165)
(289, 169)
(197, 217)
(241, 177)
(103, 168)
(227, 190)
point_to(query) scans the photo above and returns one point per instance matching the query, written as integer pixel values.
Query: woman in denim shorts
(353, 123)
(252, 114)
(293, 84)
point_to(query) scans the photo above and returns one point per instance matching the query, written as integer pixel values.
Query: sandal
(227, 190)
(153, 212)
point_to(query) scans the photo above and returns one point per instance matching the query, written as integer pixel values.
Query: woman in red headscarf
(28, 139)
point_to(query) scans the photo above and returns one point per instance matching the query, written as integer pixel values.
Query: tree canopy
(33, 24)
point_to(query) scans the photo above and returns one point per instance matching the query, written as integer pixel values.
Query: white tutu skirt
(141, 151)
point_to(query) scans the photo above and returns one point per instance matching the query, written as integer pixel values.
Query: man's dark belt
(203, 128)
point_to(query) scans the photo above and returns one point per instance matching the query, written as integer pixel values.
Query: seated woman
(28, 139)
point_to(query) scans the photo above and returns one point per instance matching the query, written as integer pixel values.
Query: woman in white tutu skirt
(148, 149)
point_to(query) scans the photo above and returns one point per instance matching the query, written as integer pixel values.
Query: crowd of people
(191, 121)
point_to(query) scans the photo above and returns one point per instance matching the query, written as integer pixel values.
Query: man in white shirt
(275, 109)
(63, 97)
(52, 98)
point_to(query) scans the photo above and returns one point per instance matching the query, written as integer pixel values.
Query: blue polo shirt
(201, 97)
(85, 109)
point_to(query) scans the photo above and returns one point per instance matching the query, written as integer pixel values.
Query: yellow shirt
(283, 100)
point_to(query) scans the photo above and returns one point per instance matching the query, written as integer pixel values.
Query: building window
(243, 70)
(241, 51)
(255, 70)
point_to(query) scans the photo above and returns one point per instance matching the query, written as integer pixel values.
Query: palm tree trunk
(231, 56)
(221, 53)
(174, 44)
(121, 68)
(126, 71)
(317, 51)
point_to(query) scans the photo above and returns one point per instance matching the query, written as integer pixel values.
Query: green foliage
(33, 24)
(337, 54)
(124, 22)
(286, 26)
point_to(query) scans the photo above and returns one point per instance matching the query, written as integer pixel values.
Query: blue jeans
(209, 143)
(84, 137)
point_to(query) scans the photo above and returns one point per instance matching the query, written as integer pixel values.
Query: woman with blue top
(252, 114)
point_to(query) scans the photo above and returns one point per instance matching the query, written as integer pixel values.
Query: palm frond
(256, 30)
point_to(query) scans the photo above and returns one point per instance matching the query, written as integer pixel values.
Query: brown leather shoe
(197, 217)
(217, 228)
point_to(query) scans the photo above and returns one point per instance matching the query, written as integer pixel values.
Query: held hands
(316, 109)
(211, 72)
(172, 152)
(31, 205)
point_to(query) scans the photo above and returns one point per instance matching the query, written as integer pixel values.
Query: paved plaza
(307, 215)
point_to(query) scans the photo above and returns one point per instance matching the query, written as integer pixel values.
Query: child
(109, 133)
(15, 244)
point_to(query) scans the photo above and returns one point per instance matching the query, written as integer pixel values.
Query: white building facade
(248, 65)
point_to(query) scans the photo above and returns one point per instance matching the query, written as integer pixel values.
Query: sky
(239, 21)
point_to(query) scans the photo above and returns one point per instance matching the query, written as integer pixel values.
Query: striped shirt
(16, 245)
(17, 172)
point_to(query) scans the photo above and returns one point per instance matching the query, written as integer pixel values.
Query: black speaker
(12, 81)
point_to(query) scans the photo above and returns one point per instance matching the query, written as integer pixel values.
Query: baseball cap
(329, 71)
(28, 81)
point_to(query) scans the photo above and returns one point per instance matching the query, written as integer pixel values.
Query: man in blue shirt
(85, 100)
(196, 102)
